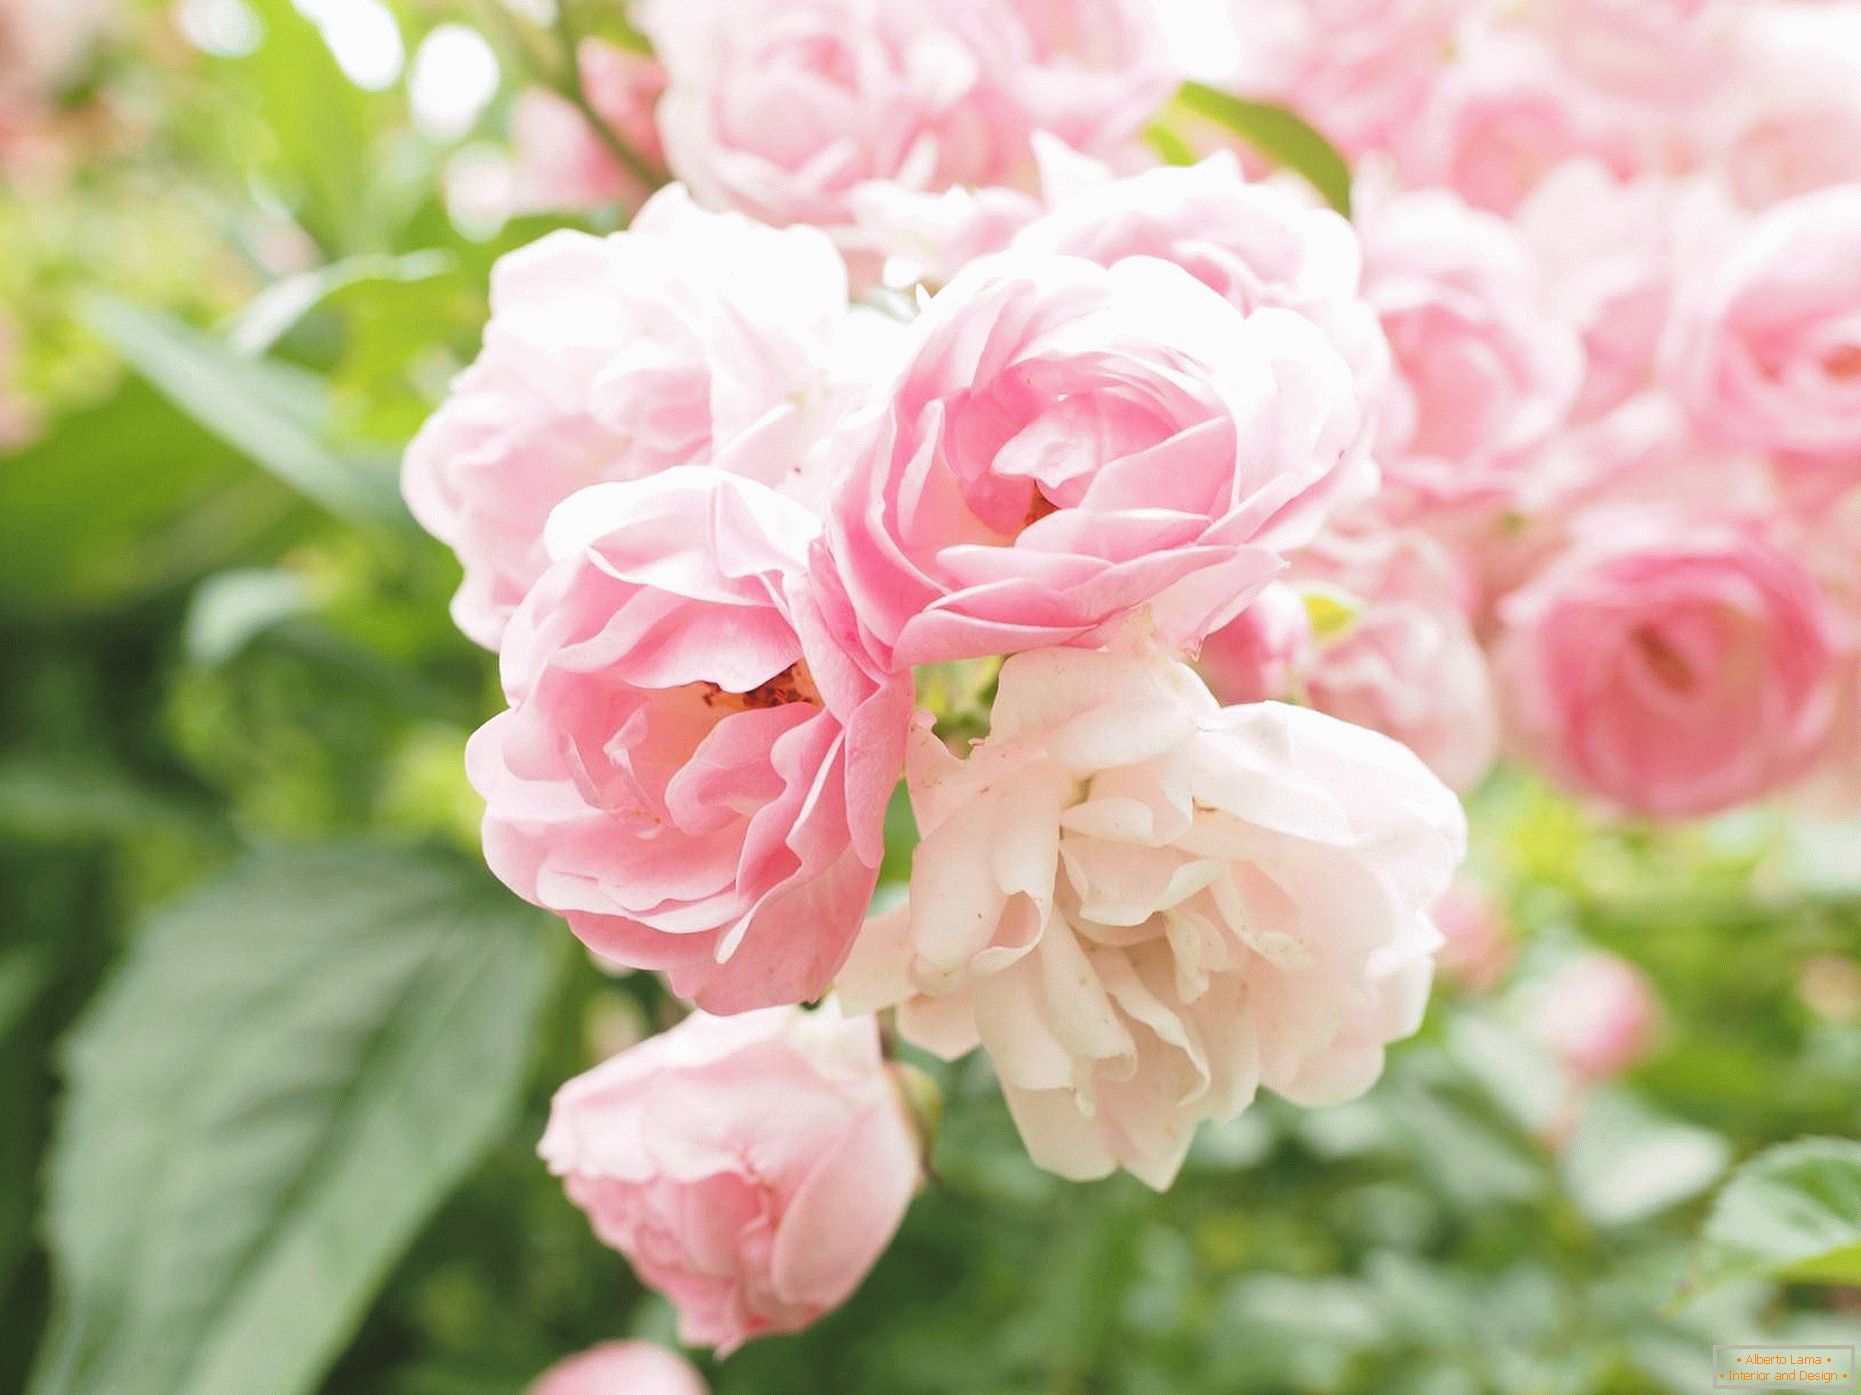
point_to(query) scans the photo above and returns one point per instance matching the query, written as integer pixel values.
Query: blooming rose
(1145, 906)
(1093, 72)
(1767, 348)
(562, 163)
(1607, 249)
(1834, 789)
(1069, 444)
(1787, 120)
(786, 110)
(1406, 662)
(689, 773)
(925, 239)
(1504, 114)
(621, 1368)
(1666, 51)
(1486, 370)
(752, 1168)
(692, 338)
(1672, 666)
(1596, 1014)
(1255, 244)
(1357, 69)
(782, 110)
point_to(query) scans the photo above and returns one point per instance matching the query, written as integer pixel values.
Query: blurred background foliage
(274, 1051)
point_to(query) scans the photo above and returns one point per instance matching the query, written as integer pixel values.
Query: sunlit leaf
(1282, 136)
(1625, 1161)
(1793, 1212)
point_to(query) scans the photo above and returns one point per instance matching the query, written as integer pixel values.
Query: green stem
(569, 86)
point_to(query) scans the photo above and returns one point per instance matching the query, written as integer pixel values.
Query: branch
(568, 85)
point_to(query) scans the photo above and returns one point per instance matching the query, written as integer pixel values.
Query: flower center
(1844, 362)
(792, 684)
(1664, 661)
(1038, 507)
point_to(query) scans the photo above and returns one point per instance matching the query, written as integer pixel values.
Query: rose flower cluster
(1242, 530)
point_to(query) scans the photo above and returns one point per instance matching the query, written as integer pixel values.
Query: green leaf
(271, 315)
(314, 143)
(48, 798)
(288, 1074)
(123, 499)
(1626, 1162)
(1282, 136)
(272, 412)
(901, 837)
(230, 610)
(23, 972)
(1170, 145)
(1792, 1213)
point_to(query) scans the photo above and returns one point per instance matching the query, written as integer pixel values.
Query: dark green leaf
(123, 499)
(287, 1075)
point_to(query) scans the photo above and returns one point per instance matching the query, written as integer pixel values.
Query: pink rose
(1486, 368)
(1826, 535)
(1645, 452)
(908, 238)
(1767, 348)
(1673, 52)
(1672, 666)
(1608, 250)
(1145, 906)
(1477, 941)
(1261, 653)
(786, 110)
(1505, 113)
(1094, 73)
(1405, 662)
(1253, 244)
(783, 109)
(621, 1368)
(1069, 445)
(689, 773)
(1787, 120)
(1359, 70)
(752, 1168)
(693, 338)
(562, 163)
(1597, 1015)
(1834, 787)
